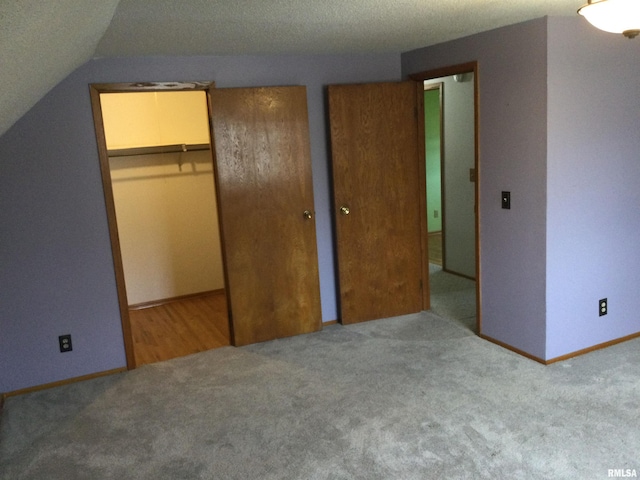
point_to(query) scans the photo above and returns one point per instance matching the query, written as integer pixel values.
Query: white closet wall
(165, 202)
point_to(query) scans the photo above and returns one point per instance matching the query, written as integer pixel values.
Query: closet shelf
(177, 148)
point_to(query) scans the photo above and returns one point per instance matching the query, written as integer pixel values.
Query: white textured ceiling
(41, 42)
(184, 27)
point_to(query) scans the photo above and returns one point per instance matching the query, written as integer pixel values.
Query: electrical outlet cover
(65, 343)
(602, 307)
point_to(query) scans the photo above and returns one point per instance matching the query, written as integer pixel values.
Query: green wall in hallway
(432, 155)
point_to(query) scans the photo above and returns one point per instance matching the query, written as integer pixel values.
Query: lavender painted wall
(57, 272)
(593, 186)
(512, 147)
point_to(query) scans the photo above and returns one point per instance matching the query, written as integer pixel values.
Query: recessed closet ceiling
(42, 42)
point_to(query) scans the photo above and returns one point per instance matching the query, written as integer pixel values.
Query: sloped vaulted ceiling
(43, 41)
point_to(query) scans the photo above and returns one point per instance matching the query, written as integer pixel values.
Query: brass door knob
(307, 214)
(344, 210)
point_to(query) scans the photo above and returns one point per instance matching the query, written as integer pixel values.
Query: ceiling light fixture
(615, 16)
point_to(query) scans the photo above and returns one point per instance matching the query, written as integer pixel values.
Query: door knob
(344, 210)
(307, 214)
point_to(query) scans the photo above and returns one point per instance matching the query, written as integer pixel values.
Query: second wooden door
(374, 142)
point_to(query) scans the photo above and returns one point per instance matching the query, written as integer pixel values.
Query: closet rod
(183, 147)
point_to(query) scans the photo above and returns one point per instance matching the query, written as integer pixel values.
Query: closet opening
(159, 179)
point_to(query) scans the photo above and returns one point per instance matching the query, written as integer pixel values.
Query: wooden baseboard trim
(62, 382)
(164, 301)
(594, 348)
(513, 349)
(330, 322)
(568, 356)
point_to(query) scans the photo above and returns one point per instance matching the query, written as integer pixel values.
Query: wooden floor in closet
(179, 328)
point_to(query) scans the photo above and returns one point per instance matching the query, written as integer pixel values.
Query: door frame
(95, 90)
(420, 77)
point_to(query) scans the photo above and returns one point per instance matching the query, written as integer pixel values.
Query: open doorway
(264, 192)
(162, 181)
(433, 113)
(451, 166)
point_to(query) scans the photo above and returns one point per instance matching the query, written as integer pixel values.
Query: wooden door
(375, 155)
(263, 170)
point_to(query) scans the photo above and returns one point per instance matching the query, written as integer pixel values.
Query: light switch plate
(506, 200)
